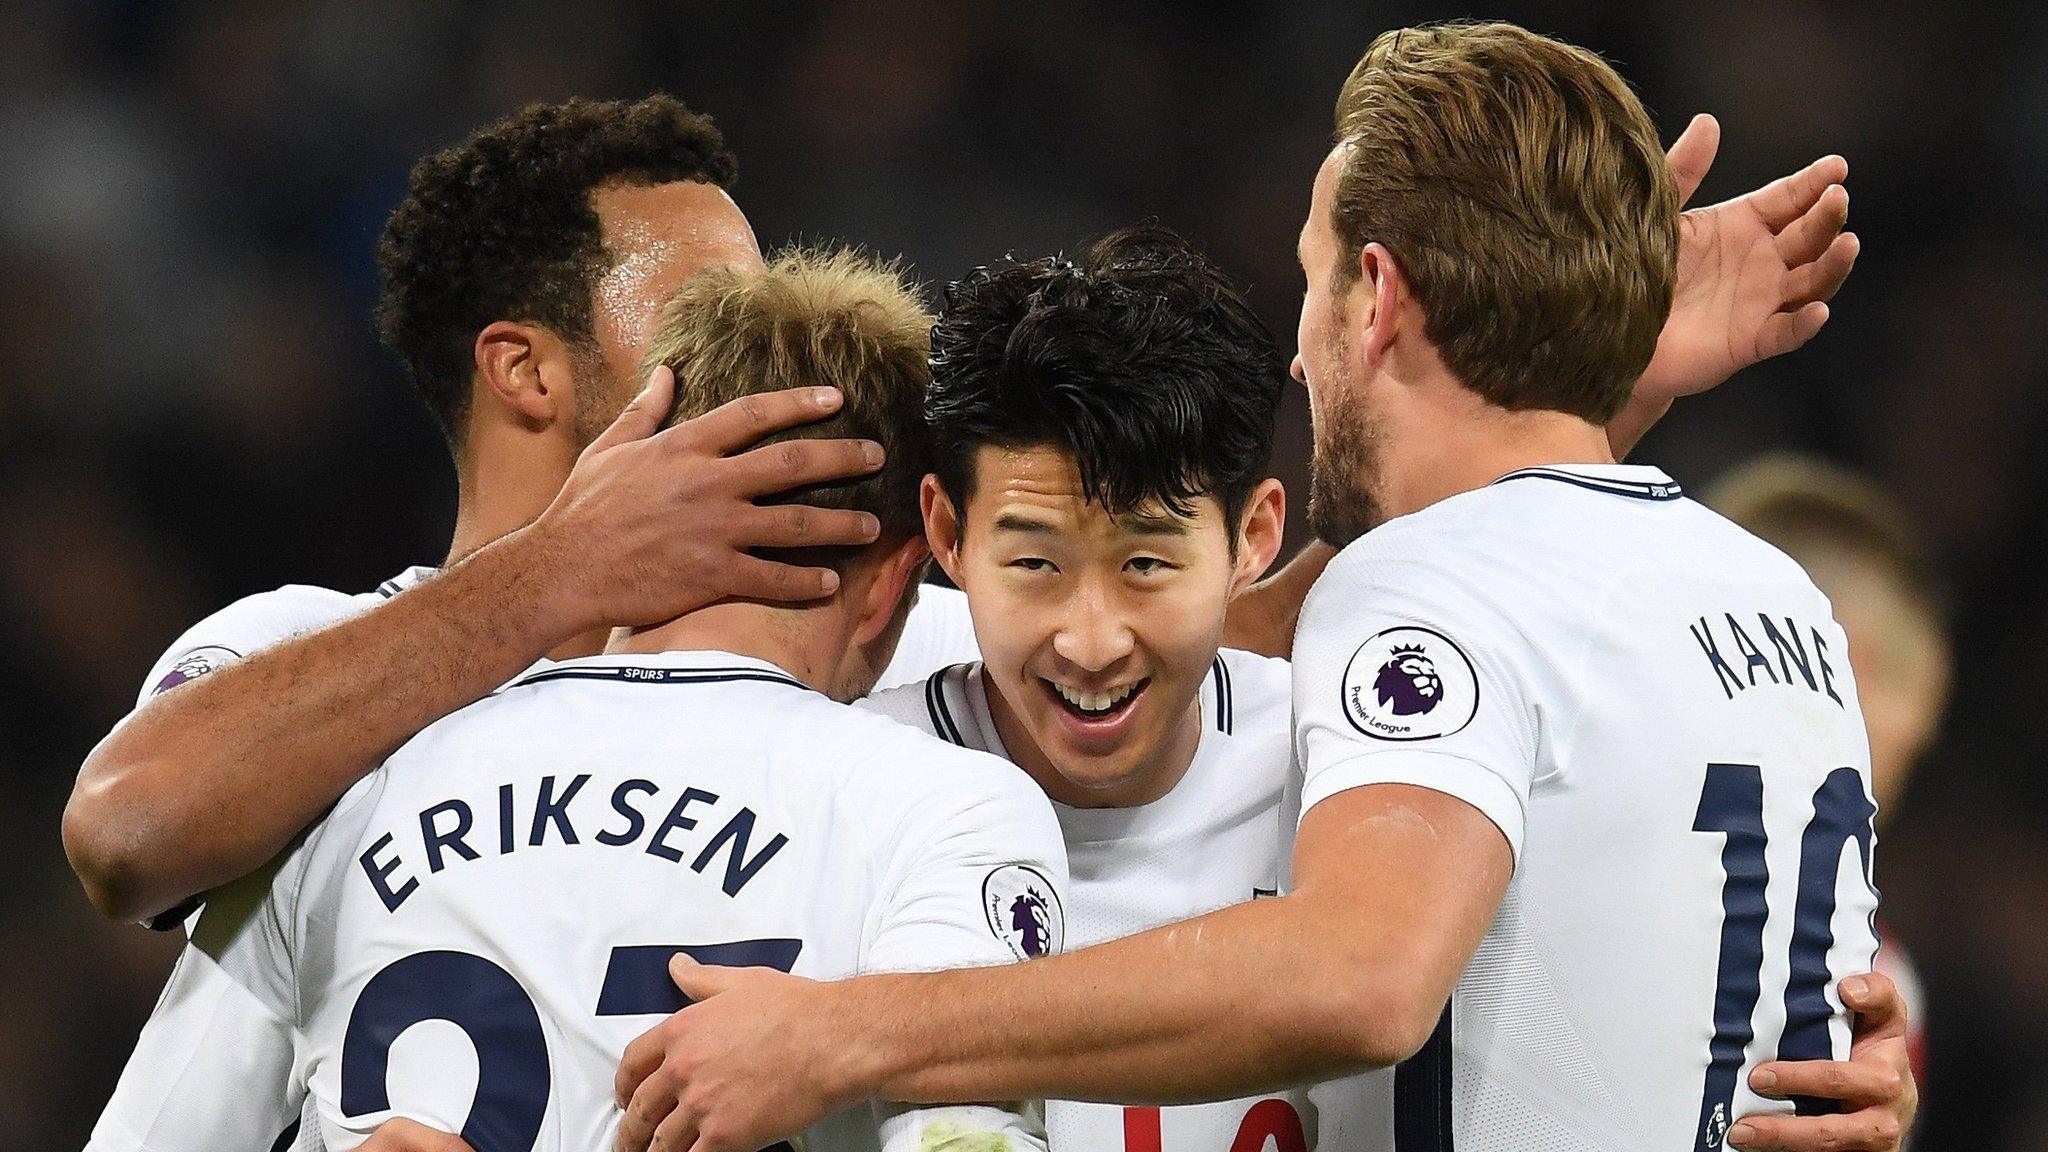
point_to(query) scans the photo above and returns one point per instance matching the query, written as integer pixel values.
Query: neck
(1459, 443)
(801, 641)
(1151, 780)
(502, 486)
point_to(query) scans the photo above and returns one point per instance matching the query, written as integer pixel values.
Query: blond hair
(1520, 185)
(813, 317)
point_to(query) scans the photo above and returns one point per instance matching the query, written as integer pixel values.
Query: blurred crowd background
(193, 405)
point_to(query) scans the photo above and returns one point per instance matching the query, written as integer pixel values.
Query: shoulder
(910, 704)
(1433, 569)
(246, 626)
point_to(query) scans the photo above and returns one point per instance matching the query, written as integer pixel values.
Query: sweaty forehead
(658, 236)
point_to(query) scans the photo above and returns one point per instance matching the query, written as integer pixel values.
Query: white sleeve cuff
(1468, 780)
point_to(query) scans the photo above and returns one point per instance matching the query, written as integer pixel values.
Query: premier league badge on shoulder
(1024, 911)
(195, 664)
(1410, 684)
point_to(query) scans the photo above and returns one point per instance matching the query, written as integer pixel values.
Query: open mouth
(1097, 706)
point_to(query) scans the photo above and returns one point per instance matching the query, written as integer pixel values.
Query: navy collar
(1635, 481)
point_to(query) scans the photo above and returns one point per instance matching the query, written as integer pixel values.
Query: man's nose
(1094, 635)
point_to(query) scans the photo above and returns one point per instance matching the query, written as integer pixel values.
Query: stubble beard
(1342, 471)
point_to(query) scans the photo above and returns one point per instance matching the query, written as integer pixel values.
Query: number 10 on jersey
(1732, 803)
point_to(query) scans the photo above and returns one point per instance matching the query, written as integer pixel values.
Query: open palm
(1754, 273)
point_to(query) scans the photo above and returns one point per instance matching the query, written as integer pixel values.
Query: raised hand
(1754, 273)
(655, 523)
(1754, 277)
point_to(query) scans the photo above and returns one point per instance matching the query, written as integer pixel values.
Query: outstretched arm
(212, 778)
(1754, 277)
(1396, 885)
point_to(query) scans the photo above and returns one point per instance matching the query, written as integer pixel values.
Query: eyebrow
(1011, 522)
(1152, 525)
(1140, 525)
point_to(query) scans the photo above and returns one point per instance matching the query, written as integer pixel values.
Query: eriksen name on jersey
(448, 834)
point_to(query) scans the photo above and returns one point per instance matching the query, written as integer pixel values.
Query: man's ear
(527, 371)
(1386, 290)
(942, 526)
(901, 568)
(1259, 534)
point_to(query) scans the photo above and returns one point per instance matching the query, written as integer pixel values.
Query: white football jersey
(477, 930)
(1656, 709)
(213, 1067)
(1215, 840)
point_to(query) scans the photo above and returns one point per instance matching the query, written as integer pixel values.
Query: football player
(522, 871)
(1098, 603)
(1585, 795)
(523, 274)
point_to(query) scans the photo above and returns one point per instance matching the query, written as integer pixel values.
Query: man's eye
(1147, 565)
(1033, 564)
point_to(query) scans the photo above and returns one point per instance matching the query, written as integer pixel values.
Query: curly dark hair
(500, 227)
(1140, 359)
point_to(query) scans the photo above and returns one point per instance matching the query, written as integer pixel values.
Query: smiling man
(1099, 494)
(1521, 781)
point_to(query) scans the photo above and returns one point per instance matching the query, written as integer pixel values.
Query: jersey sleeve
(1404, 674)
(987, 887)
(213, 1069)
(246, 626)
(938, 634)
(249, 624)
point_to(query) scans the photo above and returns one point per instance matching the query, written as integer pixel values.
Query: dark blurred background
(193, 406)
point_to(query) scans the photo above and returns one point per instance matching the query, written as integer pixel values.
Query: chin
(1096, 774)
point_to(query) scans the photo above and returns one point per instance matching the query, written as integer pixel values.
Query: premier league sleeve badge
(1024, 911)
(1410, 684)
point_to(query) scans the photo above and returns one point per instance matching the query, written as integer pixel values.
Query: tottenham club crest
(195, 664)
(1410, 684)
(1024, 911)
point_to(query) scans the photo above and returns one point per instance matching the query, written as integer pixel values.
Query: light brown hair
(1520, 185)
(813, 317)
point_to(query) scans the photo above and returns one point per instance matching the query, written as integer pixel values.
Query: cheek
(1183, 627)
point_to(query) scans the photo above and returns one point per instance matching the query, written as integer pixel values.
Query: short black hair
(1140, 359)
(500, 227)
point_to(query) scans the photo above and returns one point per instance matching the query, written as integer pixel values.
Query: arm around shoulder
(218, 770)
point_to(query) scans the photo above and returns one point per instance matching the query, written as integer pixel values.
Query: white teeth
(1095, 701)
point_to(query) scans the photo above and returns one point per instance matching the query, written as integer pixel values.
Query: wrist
(533, 573)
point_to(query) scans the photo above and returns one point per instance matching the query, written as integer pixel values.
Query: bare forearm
(1243, 1000)
(210, 780)
(1350, 971)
